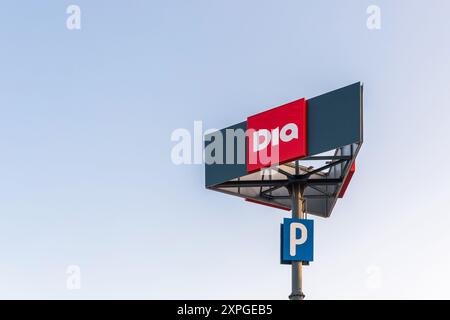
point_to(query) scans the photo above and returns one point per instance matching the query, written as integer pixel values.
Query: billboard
(311, 141)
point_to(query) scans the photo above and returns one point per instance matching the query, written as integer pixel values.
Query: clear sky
(86, 176)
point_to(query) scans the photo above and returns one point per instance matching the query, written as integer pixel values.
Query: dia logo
(277, 136)
(288, 133)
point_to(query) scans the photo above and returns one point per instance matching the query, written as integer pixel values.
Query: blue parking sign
(297, 237)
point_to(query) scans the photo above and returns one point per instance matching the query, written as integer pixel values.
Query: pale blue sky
(85, 171)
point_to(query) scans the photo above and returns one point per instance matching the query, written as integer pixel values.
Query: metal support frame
(291, 180)
(279, 183)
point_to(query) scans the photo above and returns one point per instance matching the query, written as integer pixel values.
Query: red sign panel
(347, 180)
(277, 136)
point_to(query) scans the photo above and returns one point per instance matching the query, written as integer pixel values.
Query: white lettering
(297, 241)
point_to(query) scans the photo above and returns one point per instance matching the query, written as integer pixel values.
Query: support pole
(297, 213)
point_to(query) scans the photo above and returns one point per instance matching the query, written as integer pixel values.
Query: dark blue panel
(303, 251)
(334, 119)
(219, 173)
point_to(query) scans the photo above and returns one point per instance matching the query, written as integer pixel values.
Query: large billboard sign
(299, 156)
(328, 127)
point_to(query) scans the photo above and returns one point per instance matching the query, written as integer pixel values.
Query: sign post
(297, 266)
(268, 159)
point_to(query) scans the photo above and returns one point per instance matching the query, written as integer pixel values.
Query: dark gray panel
(219, 173)
(334, 119)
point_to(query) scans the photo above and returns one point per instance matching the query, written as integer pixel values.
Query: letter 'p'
(297, 241)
